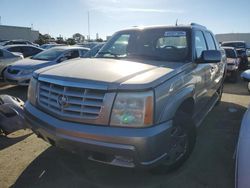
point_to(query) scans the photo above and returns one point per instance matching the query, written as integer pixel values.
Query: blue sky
(66, 17)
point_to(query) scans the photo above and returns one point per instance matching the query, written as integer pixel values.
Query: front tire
(183, 137)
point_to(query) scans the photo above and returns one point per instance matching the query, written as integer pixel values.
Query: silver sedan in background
(7, 58)
(21, 71)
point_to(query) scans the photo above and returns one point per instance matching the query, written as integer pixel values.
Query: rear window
(234, 44)
(230, 53)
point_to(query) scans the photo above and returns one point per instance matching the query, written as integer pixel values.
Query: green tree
(78, 37)
(71, 41)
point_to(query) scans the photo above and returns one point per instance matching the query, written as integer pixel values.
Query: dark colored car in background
(12, 42)
(26, 50)
(242, 50)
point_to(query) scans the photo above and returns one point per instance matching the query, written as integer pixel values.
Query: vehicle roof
(18, 40)
(191, 26)
(21, 45)
(228, 48)
(225, 42)
(70, 47)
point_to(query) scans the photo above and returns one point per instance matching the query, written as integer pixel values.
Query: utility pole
(88, 27)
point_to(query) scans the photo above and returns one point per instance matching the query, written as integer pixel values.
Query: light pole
(88, 27)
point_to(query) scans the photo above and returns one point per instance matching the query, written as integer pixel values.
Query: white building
(234, 37)
(15, 32)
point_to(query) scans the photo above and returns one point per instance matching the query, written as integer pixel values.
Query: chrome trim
(83, 105)
(73, 84)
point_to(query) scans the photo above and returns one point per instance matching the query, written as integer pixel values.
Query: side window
(26, 51)
(1, 53)
(200, 43)
(72, 54)
(82, 52)
(210, 41)
(120, 45)
(15, 49)
(35, 51)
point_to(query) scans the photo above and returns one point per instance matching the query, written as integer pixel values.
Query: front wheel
(182, 141)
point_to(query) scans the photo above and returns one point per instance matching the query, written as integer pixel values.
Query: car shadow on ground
(6, 141)
(210, 165)
(17, 91)
(237, 88)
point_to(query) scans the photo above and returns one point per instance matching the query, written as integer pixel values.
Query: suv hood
(28, 63)
(112, 73)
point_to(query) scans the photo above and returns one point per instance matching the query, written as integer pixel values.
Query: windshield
(234, 44)
(49, 55)
(230, 53)
(155, 44)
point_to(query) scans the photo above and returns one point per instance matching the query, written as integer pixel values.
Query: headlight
(32, 91)
(133, 110)
(27, 71)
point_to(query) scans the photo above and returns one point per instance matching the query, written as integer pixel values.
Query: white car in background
(21, 71)
(7, 58)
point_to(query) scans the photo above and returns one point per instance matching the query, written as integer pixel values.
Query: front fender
(174, 101)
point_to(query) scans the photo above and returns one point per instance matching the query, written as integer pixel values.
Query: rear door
(214, 76)
(201, 72)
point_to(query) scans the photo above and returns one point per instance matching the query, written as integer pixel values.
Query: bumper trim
(123, 147)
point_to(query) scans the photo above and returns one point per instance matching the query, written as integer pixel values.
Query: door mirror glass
(210, 56)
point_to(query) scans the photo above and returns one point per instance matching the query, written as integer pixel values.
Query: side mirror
(210, 56)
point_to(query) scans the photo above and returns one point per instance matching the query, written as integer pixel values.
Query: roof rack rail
(198, 25)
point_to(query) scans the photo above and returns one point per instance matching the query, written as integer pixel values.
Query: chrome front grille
(71, 103)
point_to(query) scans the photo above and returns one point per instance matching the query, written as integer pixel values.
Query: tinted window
(234, 44)
(49, 55)
(210, 41)
(72, 54)
(230, 53)
(160, 44)
(1, 53)
(200, 44)
(27, 51)
(19, 42)
(15, 49)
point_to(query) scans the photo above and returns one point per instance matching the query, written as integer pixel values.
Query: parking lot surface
(26, 161)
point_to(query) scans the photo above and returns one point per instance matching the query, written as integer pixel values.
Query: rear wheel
(182, 141)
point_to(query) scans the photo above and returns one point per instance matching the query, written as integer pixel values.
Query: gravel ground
(26, 161)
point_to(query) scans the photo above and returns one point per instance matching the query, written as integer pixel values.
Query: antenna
(176, 22)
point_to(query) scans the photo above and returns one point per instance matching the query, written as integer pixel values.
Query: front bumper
(17, 79)
(126, 147)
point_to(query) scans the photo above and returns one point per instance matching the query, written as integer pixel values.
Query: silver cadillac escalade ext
(138, 103)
